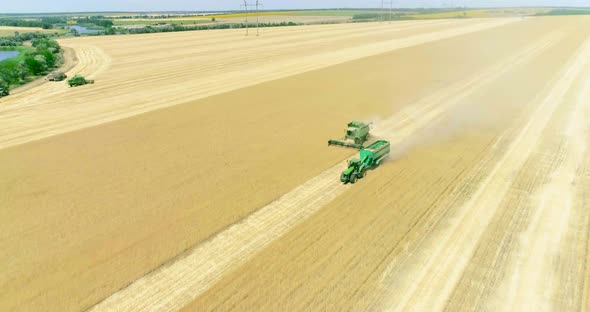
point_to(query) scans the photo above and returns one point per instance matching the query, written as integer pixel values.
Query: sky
(46, 6)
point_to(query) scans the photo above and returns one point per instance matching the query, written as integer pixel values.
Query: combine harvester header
(357, 134)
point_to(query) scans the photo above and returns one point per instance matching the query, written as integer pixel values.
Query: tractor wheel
(353, 178)
(363, 173)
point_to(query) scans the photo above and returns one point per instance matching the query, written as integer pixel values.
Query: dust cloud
(467, 117)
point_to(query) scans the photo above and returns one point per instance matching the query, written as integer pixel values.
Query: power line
(246, 5)
(390, 3)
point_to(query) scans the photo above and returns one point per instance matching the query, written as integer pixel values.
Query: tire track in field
(533, 280)
(583, 200)
(212, 42)
(503, 244)
(214, 48)
(179, 282)
(212, 85)
(90, 54)
(432, 272)
(23, 126)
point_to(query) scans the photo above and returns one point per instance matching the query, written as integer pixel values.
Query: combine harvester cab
(357, 134)
(370, 158)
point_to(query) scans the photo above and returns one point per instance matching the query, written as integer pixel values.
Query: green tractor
(370, 158)
(4, 89)
(78, 80)
(357, 134)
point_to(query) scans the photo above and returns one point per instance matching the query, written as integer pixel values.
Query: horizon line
(311, 9)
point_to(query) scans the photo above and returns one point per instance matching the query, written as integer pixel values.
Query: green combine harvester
(370, 158)
(357, 134)
(78, 80)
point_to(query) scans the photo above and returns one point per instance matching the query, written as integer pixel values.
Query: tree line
(176, 28)
(95, 20)
(44, 56)
(19, 38)
(44, 22)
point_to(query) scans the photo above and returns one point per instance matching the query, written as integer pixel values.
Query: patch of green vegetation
(99, 21)
(43, 56)
(152, 22)
(18, 39)
(558, 12)
(25, 23)
(176, 28)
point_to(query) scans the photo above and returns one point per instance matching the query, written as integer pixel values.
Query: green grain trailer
(370, 158)
(357, 134)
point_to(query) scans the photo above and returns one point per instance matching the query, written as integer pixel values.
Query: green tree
(22, 71)
(49, 57)
(4, 88)
(36, 64)
(46, 44)
(10, 72)
(109, 31)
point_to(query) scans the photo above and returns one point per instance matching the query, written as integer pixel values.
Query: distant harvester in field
(78, 80)
(56, 76)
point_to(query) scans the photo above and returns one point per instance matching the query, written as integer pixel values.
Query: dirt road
(226, 203)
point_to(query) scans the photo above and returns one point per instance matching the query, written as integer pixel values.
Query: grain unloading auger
(370, 158)
(357, 134)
